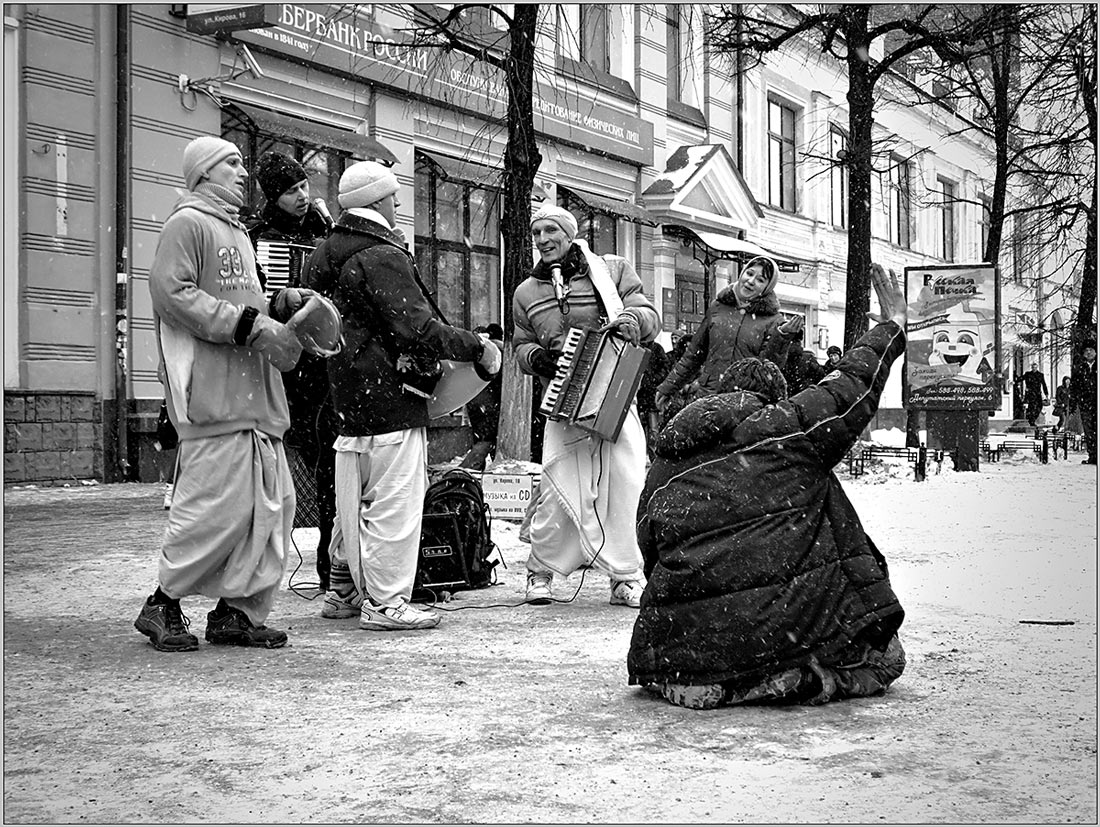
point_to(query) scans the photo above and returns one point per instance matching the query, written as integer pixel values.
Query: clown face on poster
(952, 355)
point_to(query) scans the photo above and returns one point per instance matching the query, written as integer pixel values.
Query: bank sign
(952, 355)
(345, 40)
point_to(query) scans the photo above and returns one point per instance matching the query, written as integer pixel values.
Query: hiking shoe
(538, 587)
(705, 696)
(166, 627)
(396, 618)
(226, 626)
(338, 606)
(627, 593)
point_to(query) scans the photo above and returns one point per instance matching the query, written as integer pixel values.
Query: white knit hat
(200, 156)
(364, 183)
(563, 218)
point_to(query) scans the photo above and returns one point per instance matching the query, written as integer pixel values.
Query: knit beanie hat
(834, 349)
(277, 173)
(201, 155)
(563, 218)
(364, 183)
(755, 375)
(771, 270)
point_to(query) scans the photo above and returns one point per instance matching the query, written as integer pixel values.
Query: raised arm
(834, 412)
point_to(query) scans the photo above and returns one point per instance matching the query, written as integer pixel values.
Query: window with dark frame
(901, 204)
(595, 36)
(457, 244)
(674, 52)
(838, 173)
(984, 221)
(599, 229)
(947, 218)
(781, 156)
(1019, 250)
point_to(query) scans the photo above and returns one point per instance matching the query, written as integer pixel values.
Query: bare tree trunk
(860, 118)
(521, 162)
(1083, 329)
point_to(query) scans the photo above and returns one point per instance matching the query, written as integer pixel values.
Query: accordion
(598, 375)
(283, 263)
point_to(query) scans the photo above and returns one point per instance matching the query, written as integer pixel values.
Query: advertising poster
(952, 357)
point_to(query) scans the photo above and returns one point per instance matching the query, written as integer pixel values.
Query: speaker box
(441, 564)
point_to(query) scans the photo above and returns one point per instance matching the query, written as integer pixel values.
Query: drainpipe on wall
(122, 238)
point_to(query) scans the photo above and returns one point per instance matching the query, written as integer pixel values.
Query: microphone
(561, 289)
(322, 208)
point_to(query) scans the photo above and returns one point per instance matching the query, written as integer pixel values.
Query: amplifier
(441, 565)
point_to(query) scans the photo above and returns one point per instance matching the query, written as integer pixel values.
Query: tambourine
(318, 326)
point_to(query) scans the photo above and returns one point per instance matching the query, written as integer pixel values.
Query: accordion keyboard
(554, 389)
(282, 262)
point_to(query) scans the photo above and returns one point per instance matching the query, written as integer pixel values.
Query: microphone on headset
(322, 208)
(561, 289)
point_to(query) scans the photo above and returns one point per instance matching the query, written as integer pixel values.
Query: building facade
(667, 156)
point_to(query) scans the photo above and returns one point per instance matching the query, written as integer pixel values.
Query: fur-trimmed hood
(765, 304)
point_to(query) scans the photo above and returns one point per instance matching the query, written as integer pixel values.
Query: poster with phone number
(952, 356)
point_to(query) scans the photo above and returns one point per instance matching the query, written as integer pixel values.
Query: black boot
(226, 626)
(163, 622)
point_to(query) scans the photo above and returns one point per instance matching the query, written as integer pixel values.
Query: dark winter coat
(370, 277)
(729, 332)
(311, 415)
(801, 370)
(1084, 389)
(756, 559)
(1063, 401)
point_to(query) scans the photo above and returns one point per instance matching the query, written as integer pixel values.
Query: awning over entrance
(712, 247)
(453, 169)
(702, 189)
(319, 134)
(626, 210)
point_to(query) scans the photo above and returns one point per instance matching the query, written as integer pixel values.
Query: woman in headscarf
(742, 322)
(588, 494)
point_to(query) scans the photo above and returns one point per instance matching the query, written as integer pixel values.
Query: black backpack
(455, 539)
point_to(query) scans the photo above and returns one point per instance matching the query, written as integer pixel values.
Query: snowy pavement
(514, 713)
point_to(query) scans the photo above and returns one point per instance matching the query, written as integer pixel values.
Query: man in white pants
(393, 334)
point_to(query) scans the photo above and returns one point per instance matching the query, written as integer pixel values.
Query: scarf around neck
(224, 197)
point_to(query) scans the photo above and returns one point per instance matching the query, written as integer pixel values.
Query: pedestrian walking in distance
(221, 354)
(1035, 393)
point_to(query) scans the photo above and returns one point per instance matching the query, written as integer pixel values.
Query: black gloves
(545, 362)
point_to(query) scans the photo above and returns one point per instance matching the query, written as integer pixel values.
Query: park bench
(993, 450)
(858, 457)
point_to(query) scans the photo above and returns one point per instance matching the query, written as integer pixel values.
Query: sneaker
(338, 606)
(226, 626)
(705, 696)
(396, 618)
(166, 627)
(627, 593)
(538, 587)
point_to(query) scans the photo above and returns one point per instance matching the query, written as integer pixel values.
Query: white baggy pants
(380, 486)
(230, 521)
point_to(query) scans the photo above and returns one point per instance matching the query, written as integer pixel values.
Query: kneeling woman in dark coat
(763, 586)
